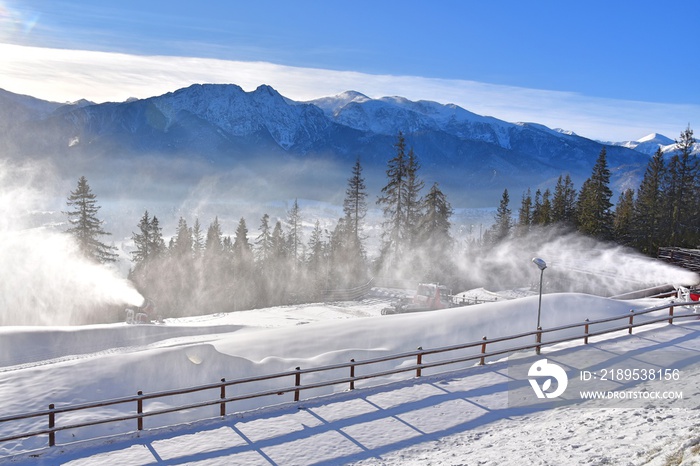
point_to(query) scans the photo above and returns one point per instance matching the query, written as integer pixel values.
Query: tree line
(202, 271)
(663, 211)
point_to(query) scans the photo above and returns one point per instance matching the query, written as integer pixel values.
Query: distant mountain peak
(352, 96)
(656, 138)
(648, 144)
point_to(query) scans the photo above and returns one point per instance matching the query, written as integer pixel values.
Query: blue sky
(608, 70)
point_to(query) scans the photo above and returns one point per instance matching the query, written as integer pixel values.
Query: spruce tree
(393, 201)
(564, 202)
(244, 289)
(263, 243)
(355, 205)
(213, 245)
(294, 236)
(433, 235)
(682, 194)
(649, 208)
(347, 252)
(503, 221)
(217, 273)
(242, 249)
(595, 217)
(197, 238)
(542, 211)
(624, 218)
(142, 242)
(524, 215)
(86, 228)
(181, 248)
(414, 185)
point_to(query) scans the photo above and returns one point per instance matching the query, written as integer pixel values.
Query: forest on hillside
(201, 271)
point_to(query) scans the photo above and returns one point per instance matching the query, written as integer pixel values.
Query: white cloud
(68, 75)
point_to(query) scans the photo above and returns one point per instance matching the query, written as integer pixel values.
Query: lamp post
(541, 265)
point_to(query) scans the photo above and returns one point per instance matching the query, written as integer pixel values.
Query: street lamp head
(539, 263)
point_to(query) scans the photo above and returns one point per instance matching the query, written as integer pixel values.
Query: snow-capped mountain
(648, 144)
(224, 125)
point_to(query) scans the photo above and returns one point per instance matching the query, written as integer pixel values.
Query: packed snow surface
(464, 416)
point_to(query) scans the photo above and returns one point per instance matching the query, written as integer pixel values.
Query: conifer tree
(294, 236)
(524, 215)
(279, 277)
(542, 211)
(564, 201)
(414, 185)
(623, 223)
(142, 241)
(595, 217)
(279, 249)
(242, 249)
(503, 221)
(213, 245)
(86, 228)
(263, 243)
(244, 289)
(197, 238)
(649, 232)
(148, 242)
(682, 193)
(433, 235)
(181, 247)
(393, 201)
(355, 202)
(217, 274)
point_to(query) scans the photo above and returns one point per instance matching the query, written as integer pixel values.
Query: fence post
(139, 410)
(631, 321)
(483, 350)
(352, 375)
(585, 330)
(52, 424)
(419, 361)
(222, 410)
(670, 315)
(297, 383)
(539, 340)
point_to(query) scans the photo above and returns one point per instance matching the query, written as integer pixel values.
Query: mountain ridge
(223, 125)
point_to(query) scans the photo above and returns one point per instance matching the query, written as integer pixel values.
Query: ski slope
(468, 416)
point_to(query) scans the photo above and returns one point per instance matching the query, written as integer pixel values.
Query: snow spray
(44, 280)
(575, 263)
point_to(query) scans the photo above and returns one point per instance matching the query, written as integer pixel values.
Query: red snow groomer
(428, 297)
(144, 314)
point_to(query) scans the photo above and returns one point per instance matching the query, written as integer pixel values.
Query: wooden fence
(350, 294)
(223, 388)
(682, 257)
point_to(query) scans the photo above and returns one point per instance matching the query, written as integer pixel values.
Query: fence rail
(350, 294)
(295, 376)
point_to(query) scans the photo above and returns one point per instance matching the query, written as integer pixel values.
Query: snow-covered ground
(472, 415)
